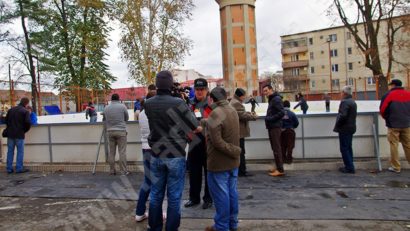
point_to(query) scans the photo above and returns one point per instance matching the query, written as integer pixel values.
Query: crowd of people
(215, 130)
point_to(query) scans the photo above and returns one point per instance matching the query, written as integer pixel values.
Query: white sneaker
(141, 218)
(164, 216)
(391, 169)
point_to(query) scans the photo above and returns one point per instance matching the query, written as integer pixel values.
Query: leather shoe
(190, 204)
(246, 174)
(272, 170)
(344, 170)
(276, 173)
(210, 228)
(206, 205)
(23, 170)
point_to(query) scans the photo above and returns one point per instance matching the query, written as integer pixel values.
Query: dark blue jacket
(170, 121)
(275, 112)
(18, 122)
(346, 119)
(395, 108)
(289, 120)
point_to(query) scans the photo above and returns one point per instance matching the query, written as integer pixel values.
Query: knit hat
(164, 80)
(240, 92)
(217, 94)
(396, 82)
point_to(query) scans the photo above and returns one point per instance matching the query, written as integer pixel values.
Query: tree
(369, 16)
(151, 37)
(77, 36)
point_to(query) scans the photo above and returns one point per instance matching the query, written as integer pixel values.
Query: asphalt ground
(301, 200)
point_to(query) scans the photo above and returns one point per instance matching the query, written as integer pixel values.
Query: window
(333, 38)
(313, 83)
(333, 53)
(322, 52)
(312, 70)
(350, 66)
(335, 67)
(311, 55)
(295, 71)
(371, 81)
(295, 44)
(294, 58)
(349, 50)
(323, 81)
(335, 83)
(321, 37)
(323, 66)
(310, 41)
(348, 35)
(350, 81)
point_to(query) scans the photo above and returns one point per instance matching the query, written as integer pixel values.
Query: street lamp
(330, 64)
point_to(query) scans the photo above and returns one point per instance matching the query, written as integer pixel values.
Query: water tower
(239, 49)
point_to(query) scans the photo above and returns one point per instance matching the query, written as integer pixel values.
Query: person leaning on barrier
(244, 130)
(170, 121)
(197, 148)
(18, 123)
(273, 122)
(115, 116)
(222, 135)
(288, 135)
(395, 109)
(346, 127)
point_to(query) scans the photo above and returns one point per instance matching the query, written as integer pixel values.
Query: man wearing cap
(244, 118)
(170, 121)
(197, 148)
(395, 109)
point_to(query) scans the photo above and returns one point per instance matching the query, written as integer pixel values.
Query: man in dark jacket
(18, 123)
(223, 150)
(244, 130)
(273, 122)
(395, 109)
(302, 103)
(170, 121)
(197, 148)
(288, 135)
(346, 127)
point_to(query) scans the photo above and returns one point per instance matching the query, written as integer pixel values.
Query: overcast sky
(273, 19)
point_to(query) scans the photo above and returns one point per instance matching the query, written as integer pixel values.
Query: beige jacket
(244, 117)
(222, 136)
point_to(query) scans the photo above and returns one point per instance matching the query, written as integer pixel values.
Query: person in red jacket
(395, 109)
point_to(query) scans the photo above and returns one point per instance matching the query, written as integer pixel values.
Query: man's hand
(198, 129)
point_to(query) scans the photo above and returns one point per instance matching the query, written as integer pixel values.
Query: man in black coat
(346, 127)
(18, 123)
(273, 122)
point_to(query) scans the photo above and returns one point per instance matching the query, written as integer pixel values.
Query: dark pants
(327, 106)
(242, 165)
(197, 166)
(345, 140)
(304, 111)
(287, 144)
(253, 108)
(275, 143)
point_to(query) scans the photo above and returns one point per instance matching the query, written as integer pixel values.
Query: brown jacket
(222, 137)
(244, 117)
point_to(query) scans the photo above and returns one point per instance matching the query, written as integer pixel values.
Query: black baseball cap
(396, 82)
(200, 83)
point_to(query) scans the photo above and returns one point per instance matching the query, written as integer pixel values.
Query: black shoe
(190, 204)
(246, 174)
(344, 170)
(206, 205)
(23, 170)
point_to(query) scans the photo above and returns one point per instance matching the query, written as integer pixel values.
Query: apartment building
(325, 60)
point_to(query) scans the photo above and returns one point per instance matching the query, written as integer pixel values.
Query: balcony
(293, 50)
(288, 78)
(300, 63)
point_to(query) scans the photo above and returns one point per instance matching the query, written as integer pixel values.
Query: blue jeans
(146, 185)
(345, 140)
(166, 174)
(11, 144)
(222, 186)
(93, 119)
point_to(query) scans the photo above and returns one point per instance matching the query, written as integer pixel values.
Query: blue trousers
(345, 140)
(224, 192)
(167, 174)
(146, 185)
(11, 144)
